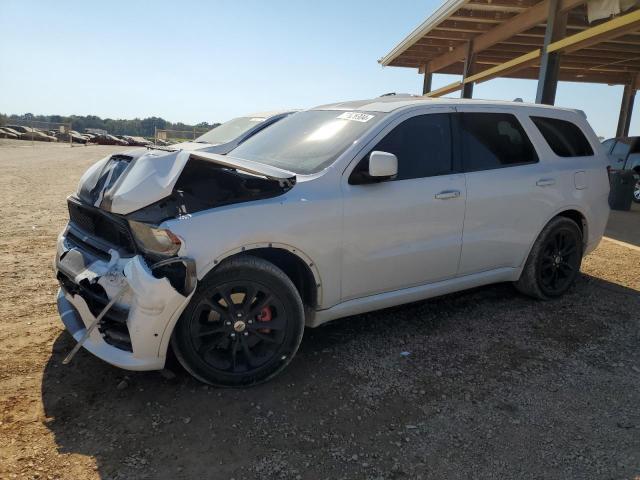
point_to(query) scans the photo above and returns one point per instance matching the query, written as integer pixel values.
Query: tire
(636, 192)
(250, 342)
(554, 261)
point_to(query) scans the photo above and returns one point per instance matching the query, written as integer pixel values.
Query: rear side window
(608, 144)
(422, 145)
(621, 149)
(493, 140)
(565, 138)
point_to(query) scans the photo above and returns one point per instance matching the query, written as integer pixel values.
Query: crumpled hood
(126, 182)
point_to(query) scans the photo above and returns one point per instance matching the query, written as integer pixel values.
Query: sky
(211, 61)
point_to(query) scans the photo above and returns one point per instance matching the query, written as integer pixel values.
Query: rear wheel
(636, 192)
(243, 325)
(554, 261)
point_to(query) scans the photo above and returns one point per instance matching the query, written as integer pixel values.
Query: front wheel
(636, 192)
(554, 261)
(243, 325)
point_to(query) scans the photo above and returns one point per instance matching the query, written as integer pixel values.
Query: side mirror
(382, 165)
(377, 167)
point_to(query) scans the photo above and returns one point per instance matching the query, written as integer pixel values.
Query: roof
(268, 114)
(500, 31)
(390, 103)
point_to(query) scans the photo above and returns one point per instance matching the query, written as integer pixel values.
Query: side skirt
(413, 294)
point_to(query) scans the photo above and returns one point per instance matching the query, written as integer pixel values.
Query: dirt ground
(482, 384)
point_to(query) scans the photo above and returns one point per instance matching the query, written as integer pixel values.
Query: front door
(406, 231)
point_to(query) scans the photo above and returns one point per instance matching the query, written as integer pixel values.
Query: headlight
(158, 241)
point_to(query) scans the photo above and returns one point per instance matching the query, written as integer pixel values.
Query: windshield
(230, 130)
(306, 142)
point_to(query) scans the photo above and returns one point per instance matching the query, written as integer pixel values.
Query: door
(619, 153)
(508, 191)
(406, 231)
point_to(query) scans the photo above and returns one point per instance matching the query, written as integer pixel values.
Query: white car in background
(331, 212)
(229, 135)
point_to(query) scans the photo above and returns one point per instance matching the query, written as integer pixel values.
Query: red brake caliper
(265, 316)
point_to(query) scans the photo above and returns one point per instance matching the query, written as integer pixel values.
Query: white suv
(331, 212)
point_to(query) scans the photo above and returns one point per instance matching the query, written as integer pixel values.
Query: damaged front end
(124, 279)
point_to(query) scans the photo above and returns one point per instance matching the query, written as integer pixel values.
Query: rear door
(509, 192)
(619, 153)
(407, 231)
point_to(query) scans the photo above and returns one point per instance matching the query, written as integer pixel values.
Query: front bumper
(135, 333)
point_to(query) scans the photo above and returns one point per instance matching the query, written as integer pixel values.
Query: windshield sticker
(355, 116)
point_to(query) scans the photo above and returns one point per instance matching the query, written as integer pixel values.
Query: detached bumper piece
(143, 305)
(113, 326)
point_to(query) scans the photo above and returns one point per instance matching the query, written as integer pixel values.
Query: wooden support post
(626, 109)
(550, 61)
(426, 83)
(469, 65)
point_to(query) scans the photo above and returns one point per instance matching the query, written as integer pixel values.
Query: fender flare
(211, 265)
(277, 245)
(578, 209)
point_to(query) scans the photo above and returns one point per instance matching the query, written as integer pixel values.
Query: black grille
(96, 223)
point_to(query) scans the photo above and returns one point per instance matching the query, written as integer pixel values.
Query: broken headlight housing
(159, 242)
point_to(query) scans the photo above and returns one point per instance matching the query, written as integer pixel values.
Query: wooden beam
(596, 54)
(520, 23)
(519, 62)
(469, 68)
(579, 63)
(472, 27)
(448, 35)
(550, 61)
(584, 76)
(626, 109)
(502, 5)
(592, 36)
(452, 87)
(426, 81)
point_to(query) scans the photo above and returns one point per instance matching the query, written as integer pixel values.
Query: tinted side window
(422, 145)
(565, 138)
(493, 140)
(620, 149)
(607, 144)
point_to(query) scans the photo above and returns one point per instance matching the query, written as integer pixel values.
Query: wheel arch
(572, 212)
(577, 217)
(307, 280)
(296, 264)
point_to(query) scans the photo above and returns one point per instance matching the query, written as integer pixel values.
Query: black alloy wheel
(243, 325)
(559, 262)
(238, 327)
(554, 261)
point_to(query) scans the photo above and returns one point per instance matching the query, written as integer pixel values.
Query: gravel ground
(482, 384)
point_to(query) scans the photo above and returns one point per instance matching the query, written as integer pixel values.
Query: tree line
(136, 127)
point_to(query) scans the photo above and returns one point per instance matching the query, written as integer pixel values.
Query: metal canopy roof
(506, 38)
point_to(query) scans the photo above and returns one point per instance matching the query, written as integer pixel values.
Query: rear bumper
(135, 333)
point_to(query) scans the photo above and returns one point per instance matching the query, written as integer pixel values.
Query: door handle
(446, 194)
(545, 182)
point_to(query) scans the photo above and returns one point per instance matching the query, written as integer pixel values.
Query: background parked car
(38, 135)
(138, 141)
(624, 154)
(8, 133)
(76, 137)
(29, 133)
(18, 128)
(108, 140)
